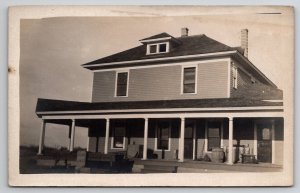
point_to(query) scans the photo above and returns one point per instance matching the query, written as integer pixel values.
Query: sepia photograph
(158, 95)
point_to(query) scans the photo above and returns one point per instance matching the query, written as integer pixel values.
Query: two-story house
(179, 97)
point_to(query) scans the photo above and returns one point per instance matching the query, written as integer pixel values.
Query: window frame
(234, 77)
(116, 83)
(113, 138)
(158, 47)
(221, 133)
(156, 137)
(182, 79)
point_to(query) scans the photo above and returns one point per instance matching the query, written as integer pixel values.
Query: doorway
(264, 142)
(189, 140)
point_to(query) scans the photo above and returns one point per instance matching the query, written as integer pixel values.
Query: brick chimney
(184, 32)
(244, 41)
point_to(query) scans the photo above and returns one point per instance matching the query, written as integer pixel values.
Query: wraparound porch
(227, 131)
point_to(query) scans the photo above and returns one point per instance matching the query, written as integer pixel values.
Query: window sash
(122, 80)
(189, 80)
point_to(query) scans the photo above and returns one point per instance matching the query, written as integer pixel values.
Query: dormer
(159, 44)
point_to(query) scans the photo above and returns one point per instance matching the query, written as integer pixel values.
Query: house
(178, 97)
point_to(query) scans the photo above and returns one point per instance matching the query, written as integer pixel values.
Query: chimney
(184, 32)
(244, 41)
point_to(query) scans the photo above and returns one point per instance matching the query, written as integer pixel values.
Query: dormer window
(157, 48)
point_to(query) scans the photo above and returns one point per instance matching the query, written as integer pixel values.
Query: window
(235, 76)
(153, 49)
(163, 132)
(158, 48)
(189, 80)
(213, 136)
(122, 84)
(118, 137)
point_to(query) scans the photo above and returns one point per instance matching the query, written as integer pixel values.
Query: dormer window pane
(162, 48)
(153, 48)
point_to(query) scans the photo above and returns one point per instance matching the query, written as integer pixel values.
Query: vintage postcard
(151, 95)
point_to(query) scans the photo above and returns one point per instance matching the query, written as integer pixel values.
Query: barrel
(217, 155)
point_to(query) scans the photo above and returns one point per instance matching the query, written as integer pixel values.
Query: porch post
(106, 137)
(181, 140)
(42, 137)
(145, 139)
(230, 139)
(273, 140)
(72, 135)
(255, 140)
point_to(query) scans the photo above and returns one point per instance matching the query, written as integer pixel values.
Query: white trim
(222, 134)
(194, 140)
(156, 133)
(155, 39)
(182, 78)
(255, 140)
(163, 59)
(184, 63)
(229, 78)
(157, 48)
(205, 137)
(165, 110)
(170, 115)
(235, 77)
(273, 141)
(116, 82)
(112, 139)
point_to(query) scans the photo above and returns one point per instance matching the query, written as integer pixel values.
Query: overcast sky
(52, 50)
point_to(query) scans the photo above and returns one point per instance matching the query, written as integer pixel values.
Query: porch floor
(192, 166)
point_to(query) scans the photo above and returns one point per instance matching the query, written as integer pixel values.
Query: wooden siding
(163, 83)
(246, 88)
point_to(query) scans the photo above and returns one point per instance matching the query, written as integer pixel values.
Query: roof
(189, 45)
(161, 35)
(49, 105)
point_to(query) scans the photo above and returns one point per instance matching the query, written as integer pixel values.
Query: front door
(188, 141)
(264, 143)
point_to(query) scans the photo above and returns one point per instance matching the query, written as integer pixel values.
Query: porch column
(255, 140)
(106, 137)
(145, 139)
(72, 135)
(273, 140)
(42, 137)
(230, 139)
(181, 141)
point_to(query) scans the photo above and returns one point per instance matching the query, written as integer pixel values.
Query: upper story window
(189, 80)
(157, 48)
(235, 77)
(121, 84)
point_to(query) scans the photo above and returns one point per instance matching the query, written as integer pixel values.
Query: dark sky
(52, 50)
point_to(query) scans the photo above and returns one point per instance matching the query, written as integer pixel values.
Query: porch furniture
(249, 159)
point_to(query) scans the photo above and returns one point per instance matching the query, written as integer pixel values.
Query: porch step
(159, 169)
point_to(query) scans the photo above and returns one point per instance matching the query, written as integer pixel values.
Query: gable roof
(189, 45)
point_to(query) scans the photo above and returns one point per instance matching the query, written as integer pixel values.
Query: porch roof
(50, 105)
